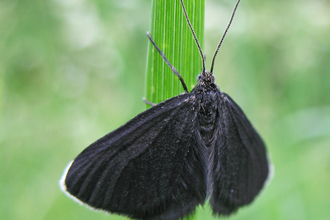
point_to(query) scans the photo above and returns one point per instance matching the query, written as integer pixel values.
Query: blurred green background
(73, 70)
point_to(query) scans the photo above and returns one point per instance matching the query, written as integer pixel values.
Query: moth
(174, 156)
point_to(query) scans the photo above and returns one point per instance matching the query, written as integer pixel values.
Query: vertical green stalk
(171, 33)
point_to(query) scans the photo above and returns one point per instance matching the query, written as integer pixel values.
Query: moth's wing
(150, 168)
(240, 166)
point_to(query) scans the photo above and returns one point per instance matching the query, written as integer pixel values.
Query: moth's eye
(199, 77)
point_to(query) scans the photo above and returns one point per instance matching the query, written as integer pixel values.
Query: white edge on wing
(64, 189)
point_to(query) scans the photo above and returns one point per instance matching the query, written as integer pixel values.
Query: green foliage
(171, 33)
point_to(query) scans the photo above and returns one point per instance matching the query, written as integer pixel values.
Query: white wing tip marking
(64, 189)
(63, 177)
(271, 171)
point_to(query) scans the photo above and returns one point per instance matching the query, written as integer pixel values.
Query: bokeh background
(73, 70)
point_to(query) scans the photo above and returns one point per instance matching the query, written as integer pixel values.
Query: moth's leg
(168, 63)
(147, 102)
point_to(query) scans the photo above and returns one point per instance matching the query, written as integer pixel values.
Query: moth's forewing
(150, 168)
(240, 166)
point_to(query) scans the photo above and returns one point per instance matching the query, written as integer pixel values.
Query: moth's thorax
(207, 92)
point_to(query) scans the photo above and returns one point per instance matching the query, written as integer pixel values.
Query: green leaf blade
(171, 33)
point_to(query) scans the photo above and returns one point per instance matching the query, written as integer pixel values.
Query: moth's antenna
(224, 34)
(195, 37)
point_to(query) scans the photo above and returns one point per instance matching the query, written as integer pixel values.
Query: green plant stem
(171, 33)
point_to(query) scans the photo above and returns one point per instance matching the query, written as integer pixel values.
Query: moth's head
(206, 77)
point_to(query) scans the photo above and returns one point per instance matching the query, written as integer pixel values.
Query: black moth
(172, 157)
